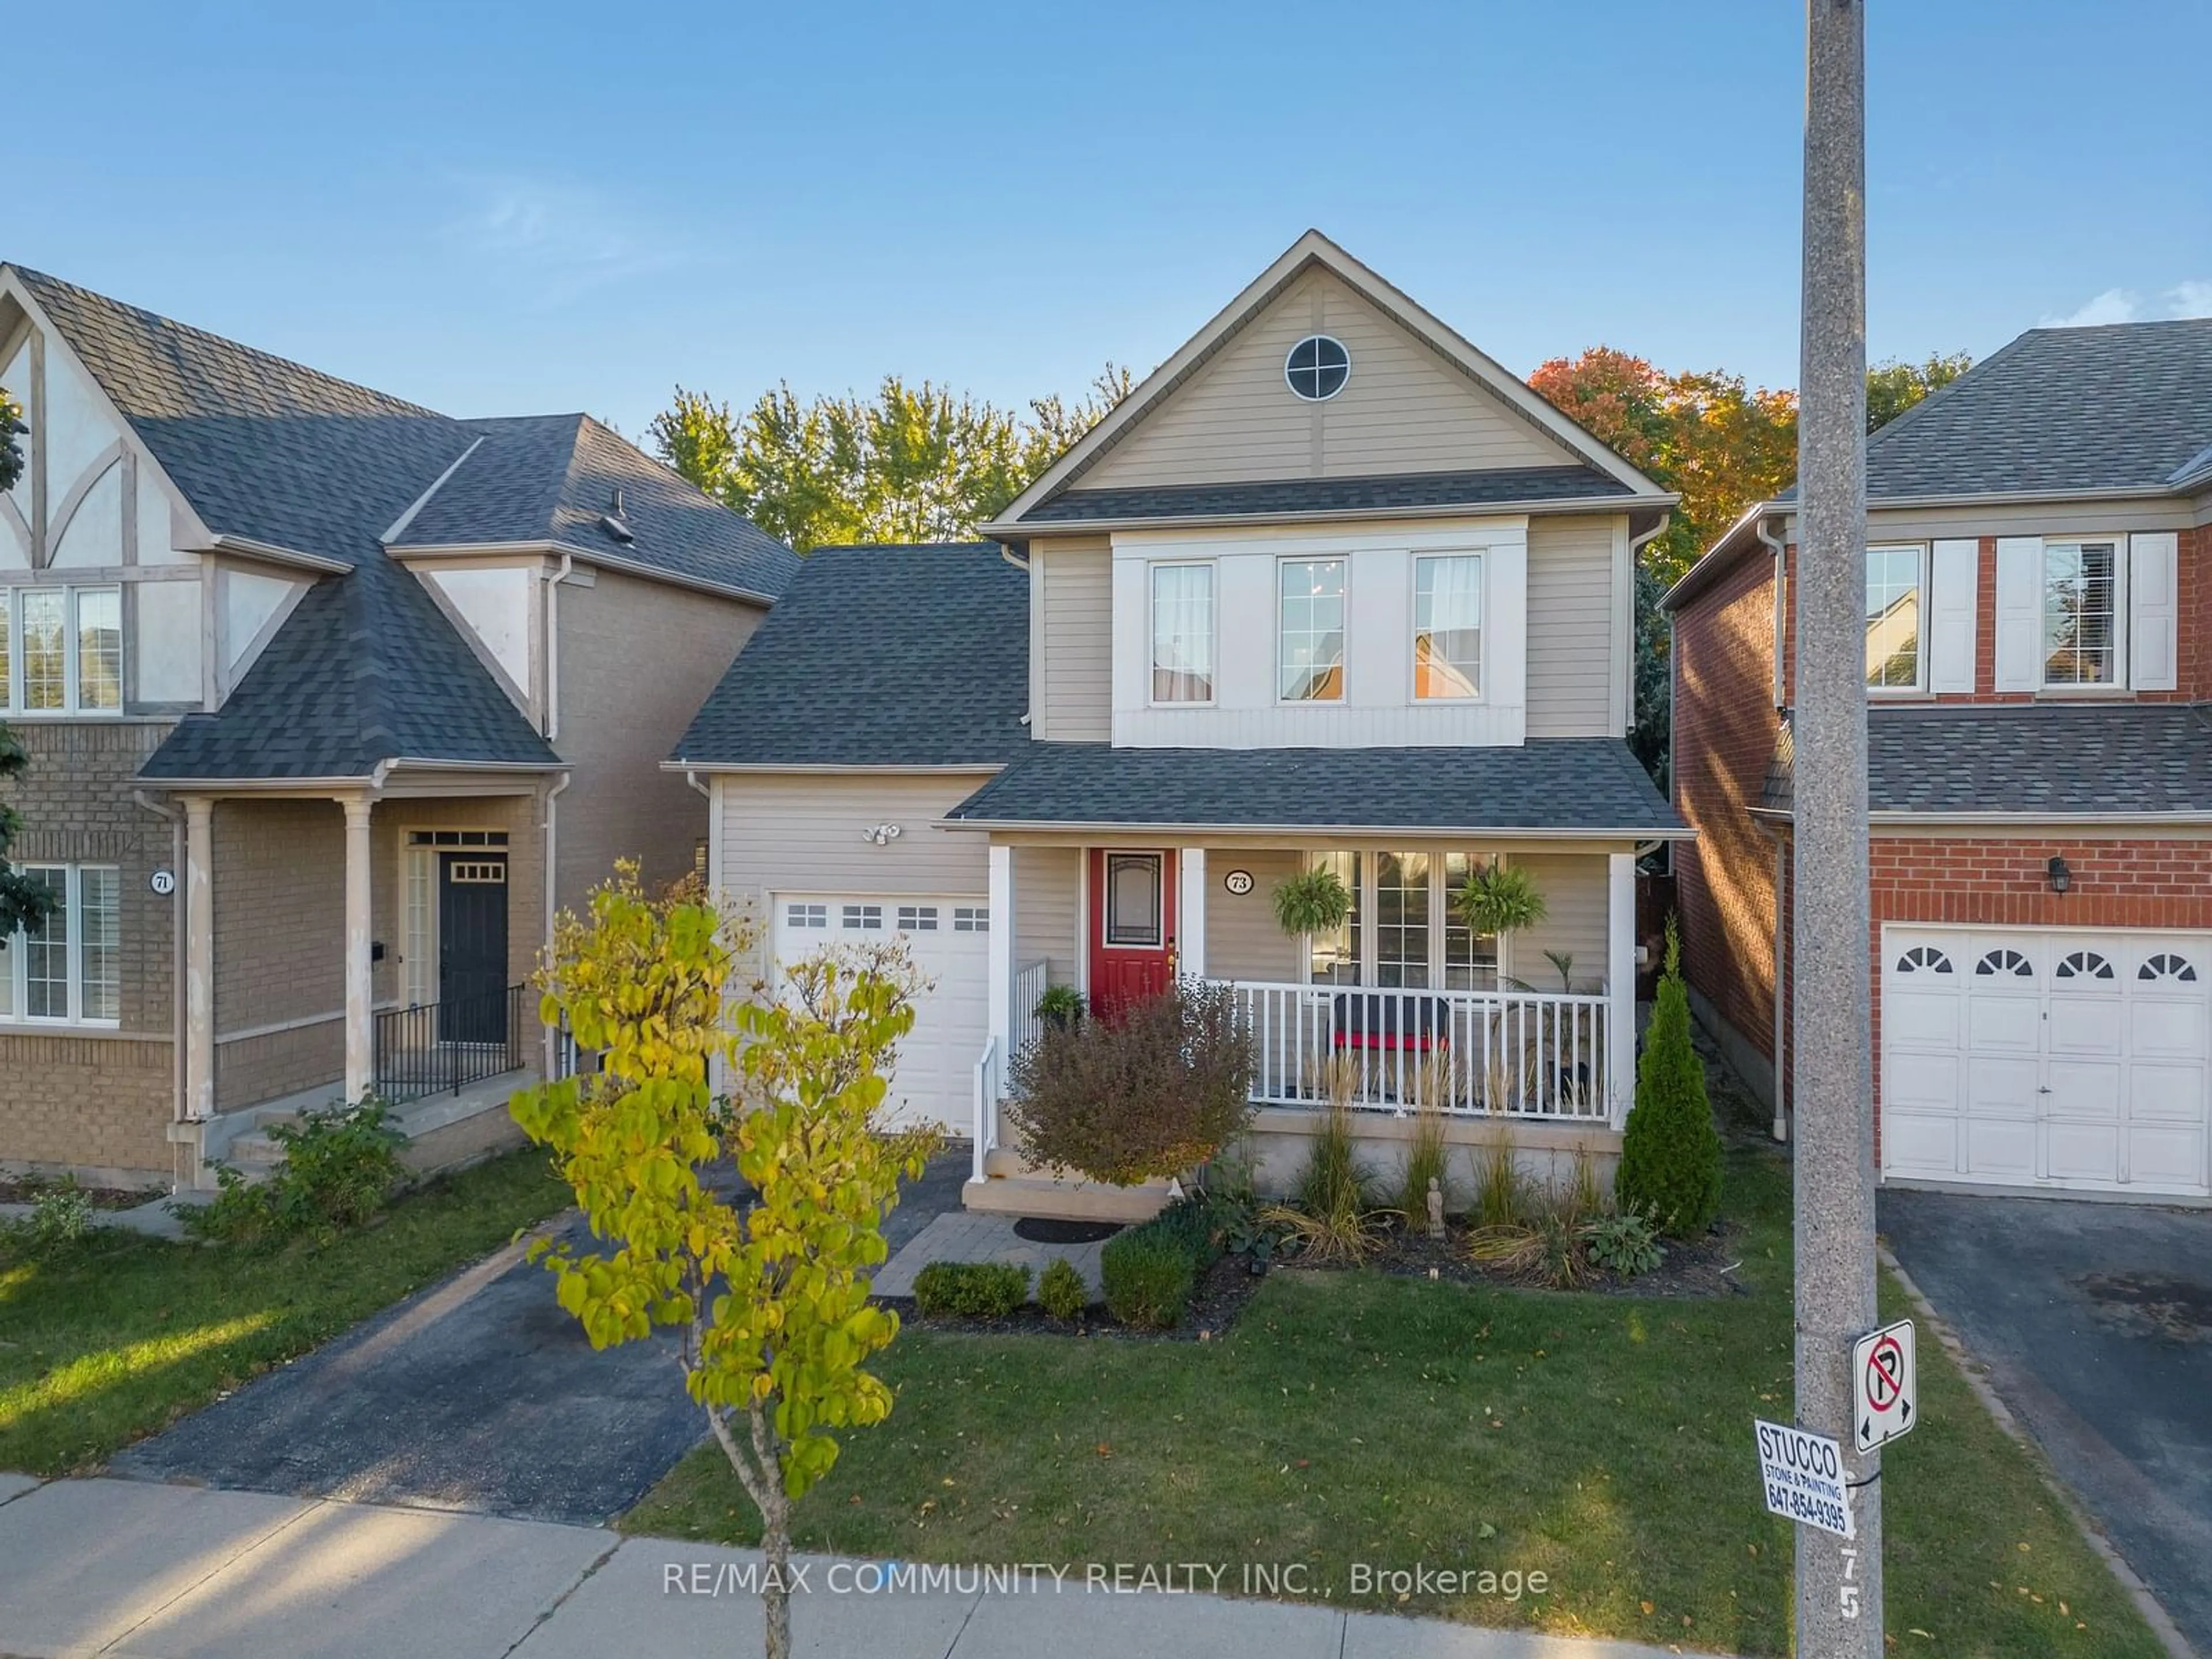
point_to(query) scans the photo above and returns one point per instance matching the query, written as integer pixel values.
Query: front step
(1074, 1199)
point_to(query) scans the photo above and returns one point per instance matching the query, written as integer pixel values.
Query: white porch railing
(1514, 1054)
(990, 1087)
(1031, 980)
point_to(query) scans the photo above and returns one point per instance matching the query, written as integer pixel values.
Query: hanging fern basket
(1499, 899)
(1316, 902)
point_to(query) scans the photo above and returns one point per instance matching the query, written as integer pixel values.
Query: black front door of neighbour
(471, 947)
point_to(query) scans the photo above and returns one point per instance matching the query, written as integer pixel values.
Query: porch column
(1002, 949)
(359, 996)
(1190, 912)
(199, 958)
(1620, 981)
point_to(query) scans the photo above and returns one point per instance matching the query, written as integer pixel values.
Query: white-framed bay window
(1310, 631)
(1447, 626)
(1403, 930)
(61, 651)
(1896, 617)
(68, 970)
(1183, 644)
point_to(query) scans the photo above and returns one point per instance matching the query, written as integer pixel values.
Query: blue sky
(510, 208)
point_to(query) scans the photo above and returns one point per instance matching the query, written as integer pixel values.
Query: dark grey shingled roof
(2067, 760)
(2126, 406)
(878, 656)
(366, 668)
(553, 478)
(1548, 784)
(1403, 489)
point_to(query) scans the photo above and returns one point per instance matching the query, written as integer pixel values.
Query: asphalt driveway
(477, 1394)
(2095, 1321)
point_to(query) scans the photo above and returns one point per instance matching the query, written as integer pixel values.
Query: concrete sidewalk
(131, 1568)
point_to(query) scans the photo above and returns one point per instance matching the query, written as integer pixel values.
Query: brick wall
(637, 660)
(95, 1099)
(1724, 731)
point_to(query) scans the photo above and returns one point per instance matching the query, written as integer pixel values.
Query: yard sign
(1885, 1392)
(1802, 1475)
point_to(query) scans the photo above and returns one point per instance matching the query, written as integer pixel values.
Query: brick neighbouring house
(2040, 662)
(330, 699)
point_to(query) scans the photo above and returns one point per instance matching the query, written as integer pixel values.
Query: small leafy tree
(1670, 1158)
(23, 902)
(1157, 1091)
(770, 1292)
(11, 429)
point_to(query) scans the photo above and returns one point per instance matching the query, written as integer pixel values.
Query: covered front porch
(353, 942)
(1527, 1038)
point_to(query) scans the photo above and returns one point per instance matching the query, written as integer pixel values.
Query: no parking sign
(1885, 1392)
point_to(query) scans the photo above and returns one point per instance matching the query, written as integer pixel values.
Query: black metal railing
(441, 1048)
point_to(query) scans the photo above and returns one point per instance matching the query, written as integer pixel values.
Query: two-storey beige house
(1330, 587)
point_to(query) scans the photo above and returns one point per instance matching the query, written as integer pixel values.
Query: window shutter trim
(1954, 604)
(2154, 610)
(2020, 613)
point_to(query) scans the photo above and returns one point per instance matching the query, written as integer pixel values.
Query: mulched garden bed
(100, 1198)
(1223, 1289)
(1699, 1267)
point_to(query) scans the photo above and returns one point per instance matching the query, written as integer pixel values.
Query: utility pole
(1839, 1601)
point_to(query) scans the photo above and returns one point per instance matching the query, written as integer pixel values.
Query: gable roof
(878, 656)
(553, 479)
(1311, 250)
(2121, 410)
(277, 456)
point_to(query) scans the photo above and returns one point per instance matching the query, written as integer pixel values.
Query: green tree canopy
(23, 901)
(1894, 386)
(11, 452)
(914, 463)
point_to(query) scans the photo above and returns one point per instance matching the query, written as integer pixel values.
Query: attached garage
(950, 936)
(2045, 1057)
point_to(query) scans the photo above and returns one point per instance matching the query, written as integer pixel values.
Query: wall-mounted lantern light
(2061, 876)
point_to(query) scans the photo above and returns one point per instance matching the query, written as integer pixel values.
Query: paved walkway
(118, 1567)
(974, 1236)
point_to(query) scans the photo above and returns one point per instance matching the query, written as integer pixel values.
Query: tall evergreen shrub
(1670, 1159)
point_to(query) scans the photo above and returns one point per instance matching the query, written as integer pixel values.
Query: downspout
(553, 653)
(177, 967)
(1781, 608)
(1780, 549)
(1635, 545)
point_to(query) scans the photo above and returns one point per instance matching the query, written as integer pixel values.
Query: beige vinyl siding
(1076, 646)
(1574, 887)
(2075, 517)
(801, 834)
(1570, 628)
(637, 658)
(1047, 894)
(1404, 410)
(1242, 939)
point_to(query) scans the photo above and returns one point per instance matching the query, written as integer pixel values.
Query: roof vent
(612, 522)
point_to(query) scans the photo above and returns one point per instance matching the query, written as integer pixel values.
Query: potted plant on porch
(1314, 901)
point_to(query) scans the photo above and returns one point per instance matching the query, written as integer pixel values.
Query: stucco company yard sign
(1802, 1475)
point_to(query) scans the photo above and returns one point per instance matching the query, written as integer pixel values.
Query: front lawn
(1356, 1418)
(118, 1335)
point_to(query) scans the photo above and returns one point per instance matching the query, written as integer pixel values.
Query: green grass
(1605, 1441)
(120, 1334)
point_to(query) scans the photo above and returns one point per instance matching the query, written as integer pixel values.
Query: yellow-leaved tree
(769, 1289)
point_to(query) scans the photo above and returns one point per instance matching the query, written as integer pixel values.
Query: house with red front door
(2039, 668)
(1330, 588)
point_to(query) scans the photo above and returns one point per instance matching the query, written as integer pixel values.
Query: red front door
(1132, 926)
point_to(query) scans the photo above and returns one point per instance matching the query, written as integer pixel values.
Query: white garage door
(950, 937)
(2034, 1057)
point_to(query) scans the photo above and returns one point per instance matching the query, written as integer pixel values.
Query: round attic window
(1317, 367)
